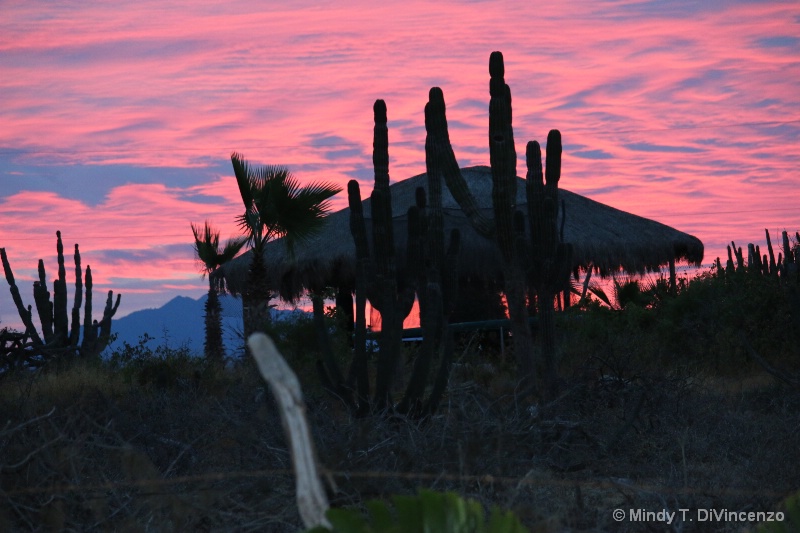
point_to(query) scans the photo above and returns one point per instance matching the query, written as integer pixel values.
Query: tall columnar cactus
(507, 226)
(790, 262)
(783, 270)
(503, 158)
(550, 259)
(438, 276)
(503, 198)
(392, 296)
(785, 267)
(61, 338)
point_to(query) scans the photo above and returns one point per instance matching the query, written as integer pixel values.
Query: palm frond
(206, 244)
(273, 174)
(276, 205)
(207, 247)
(231, 249)
(306, 212)
(242, 172)
(601, 295)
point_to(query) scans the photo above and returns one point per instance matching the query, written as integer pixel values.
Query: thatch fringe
(606, 238)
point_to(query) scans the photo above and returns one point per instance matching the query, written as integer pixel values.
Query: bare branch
(312, 502)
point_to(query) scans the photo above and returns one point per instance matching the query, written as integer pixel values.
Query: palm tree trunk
(256, 297)
(214, 349)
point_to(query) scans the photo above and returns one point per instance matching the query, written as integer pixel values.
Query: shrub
(161, 366)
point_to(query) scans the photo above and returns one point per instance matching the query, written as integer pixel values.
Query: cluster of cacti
(59, 336)
(430, 273)
(786, 266)
(536, 266)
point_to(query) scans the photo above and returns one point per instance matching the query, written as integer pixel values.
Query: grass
(661, 407)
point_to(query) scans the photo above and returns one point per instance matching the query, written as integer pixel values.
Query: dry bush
(94, 448)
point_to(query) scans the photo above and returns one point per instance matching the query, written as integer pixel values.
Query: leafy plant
(791, 517)
(442, 512)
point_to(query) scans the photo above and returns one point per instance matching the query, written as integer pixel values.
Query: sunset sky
(117, 119)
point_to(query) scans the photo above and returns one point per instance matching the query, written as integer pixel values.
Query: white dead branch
(312, 501)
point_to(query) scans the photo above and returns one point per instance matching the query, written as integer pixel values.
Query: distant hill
(179, 323)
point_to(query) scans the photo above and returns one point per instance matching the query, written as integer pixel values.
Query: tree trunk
(214, 349)
(256, 298)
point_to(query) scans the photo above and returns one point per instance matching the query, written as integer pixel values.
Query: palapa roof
(604, 238)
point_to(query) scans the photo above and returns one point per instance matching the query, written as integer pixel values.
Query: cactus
(790, 262)
(773, 266)
(430, 273)
(437, 291)
(550, 259)
(438, 279)
(739, 257)
(391, 295)
(60, 337)
(439, 154)
(784, 268)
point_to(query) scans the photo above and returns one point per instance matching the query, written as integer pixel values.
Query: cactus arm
(44, 307)
(105, 324)
(751, 254)
(357, 224)
(449, 297)
(773, 266)
(503, 157)
(787, 252)
(729, 268)
(359, 367)
(89, 327)
(441, 159)
(75, 330)
(60, 322)
(24, 314)
(380, 146)
(739, 257)
(535, 193)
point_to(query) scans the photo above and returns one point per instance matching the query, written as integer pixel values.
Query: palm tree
(275, 206)
(207, 250)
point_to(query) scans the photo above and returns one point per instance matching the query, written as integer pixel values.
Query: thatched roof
(604, 237)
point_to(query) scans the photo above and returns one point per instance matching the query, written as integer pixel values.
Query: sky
(117, 119)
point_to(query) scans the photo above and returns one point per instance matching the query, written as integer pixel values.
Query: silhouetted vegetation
(63, 334)
(207, 250)
(275, 206)
(663, 405)
(430, 275)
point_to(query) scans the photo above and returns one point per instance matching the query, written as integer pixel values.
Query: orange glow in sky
(117, 120)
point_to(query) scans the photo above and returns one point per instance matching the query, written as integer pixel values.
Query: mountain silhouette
(179, 323)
